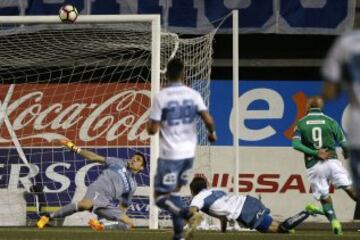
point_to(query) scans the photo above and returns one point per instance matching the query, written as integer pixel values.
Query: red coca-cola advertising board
(90, 114)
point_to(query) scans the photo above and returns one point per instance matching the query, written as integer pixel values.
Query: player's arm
(153, 124)
(124, 218)
(123, 206)
(223, 224)
(206, 117)
(210, 125)
(152, 127)
(126, 200)
(127, 220)
(82, 152)
(193, 210)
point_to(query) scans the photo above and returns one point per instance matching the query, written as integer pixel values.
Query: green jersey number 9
(317, 137)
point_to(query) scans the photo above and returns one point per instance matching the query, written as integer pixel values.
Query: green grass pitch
(70, 233)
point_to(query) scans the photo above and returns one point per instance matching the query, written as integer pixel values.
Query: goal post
(155, 78)
(91, 82)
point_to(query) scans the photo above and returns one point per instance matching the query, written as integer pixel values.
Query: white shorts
(324, 173)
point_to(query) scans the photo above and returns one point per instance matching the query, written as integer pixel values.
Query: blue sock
(175, 206)
(178, 221)
(178, 226)
(293, 221)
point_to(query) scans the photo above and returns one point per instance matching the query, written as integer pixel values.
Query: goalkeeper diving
(115, 184)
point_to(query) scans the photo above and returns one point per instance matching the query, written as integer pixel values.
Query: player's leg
(71, 208)
(257, 216)
(86, 204)
(170, 177)
(318, 177)
(291, 222)
(330, 214)
(112, 214)
(340, 178)
(67, 210)
(270, 225)
(351, 192)
(254, 214)
(94, 195)
(167, 182)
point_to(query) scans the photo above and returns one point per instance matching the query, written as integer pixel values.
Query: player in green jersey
(317, 135)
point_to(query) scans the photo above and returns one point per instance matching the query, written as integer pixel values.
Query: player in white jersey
(342, 68)
(174, 111)
(248, 211)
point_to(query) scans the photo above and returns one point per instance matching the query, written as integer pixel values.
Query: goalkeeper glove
(71, 146)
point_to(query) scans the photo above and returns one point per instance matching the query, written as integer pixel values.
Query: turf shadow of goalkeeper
(116, 183)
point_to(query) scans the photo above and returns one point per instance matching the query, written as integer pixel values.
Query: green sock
(329, 211)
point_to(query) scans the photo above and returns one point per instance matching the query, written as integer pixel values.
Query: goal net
(90, 83)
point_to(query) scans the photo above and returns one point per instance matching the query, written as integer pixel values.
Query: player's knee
(85, 204)
(268, 225)
(160, 200)
(324, 199)
(321, 194)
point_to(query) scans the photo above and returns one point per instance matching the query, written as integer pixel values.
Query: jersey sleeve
(197, 202)
(297, 133)
(155, 112)
(201, 107)
(332, 68)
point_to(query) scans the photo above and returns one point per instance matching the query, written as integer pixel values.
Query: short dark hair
(197, 184)
(143, 158)
(174, 69)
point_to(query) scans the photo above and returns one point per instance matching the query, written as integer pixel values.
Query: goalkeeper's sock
(67, 210)
(116, 226)
(172, 203)
(293, 221)
(329, 211)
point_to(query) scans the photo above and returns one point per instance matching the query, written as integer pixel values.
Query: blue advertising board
(268, 110)
(195, 16)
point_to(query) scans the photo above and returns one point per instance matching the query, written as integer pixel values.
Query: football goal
(91, 82)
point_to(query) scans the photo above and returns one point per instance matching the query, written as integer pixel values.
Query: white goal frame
(155, 73)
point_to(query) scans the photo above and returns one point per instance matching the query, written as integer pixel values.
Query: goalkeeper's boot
(193, 222)
(41, 223)
(336, 227)
(96, 225)
(314, 210)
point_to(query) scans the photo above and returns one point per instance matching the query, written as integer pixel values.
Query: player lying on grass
(115, 184)
(248, 211)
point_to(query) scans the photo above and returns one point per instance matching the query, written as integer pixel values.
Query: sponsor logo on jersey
(315, 122)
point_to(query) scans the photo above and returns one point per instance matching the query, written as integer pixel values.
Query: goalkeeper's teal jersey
(318, 131)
